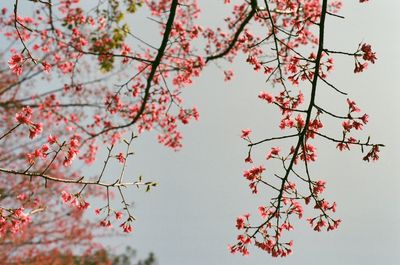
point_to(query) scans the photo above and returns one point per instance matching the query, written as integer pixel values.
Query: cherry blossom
(47, 132)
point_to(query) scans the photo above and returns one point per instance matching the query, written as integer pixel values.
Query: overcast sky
(189, 218)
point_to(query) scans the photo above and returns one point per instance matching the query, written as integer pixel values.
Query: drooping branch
(153, 70)
(243, 24)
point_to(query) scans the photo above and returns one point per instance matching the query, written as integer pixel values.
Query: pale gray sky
(190, 217)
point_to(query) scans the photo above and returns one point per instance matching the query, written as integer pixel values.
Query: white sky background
(190, 217)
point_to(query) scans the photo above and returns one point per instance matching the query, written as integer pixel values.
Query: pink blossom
(52, 139)
(35, 129)
(273, 153)
(254, 173)
(121, 158)
(364, 118)
(352, 106)
(368, 54)
(118, 215)
(46, 67)
(240, 222)
(126, 227)
(105, 223)
(266, 96)
(245, 133)
(347, 126)
(228, 75)
(24, 116)
(15, 63)
(66, 197)
(319, 187)
(248, 159)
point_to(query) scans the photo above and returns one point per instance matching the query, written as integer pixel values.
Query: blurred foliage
(105, 257)
(106, 42)
(98, 257)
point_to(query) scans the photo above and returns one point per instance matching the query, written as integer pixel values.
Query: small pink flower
(24, 116)
(364, 118)
(266, 96)
(118, 215)
(248, 159)
(66, 197)
(126, 227)
(273, 153)
(254, 173)
(333, 207)
(22, 197)
(352, 106)
(359, 67)
(52, 139)
(240, 222)
(319, 187)
(343, 146)
(347, 126)
(263, 212)
(300, 121)
(15, 63)
(368, 54)
(105, 223)
(121, 158)
(228, 75)
(245, 133)
(35, 129)
(357, 125)
(81, 204)
(46, 67)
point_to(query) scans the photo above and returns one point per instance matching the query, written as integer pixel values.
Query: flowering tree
(46, 129)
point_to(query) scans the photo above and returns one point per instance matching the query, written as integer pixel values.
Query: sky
(190, 217)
